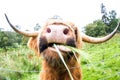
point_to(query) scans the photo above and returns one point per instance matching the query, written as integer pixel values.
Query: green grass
(103, 62)
(19, 64)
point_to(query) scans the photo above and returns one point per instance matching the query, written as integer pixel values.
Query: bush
(11, 39)
(113, 23)
(97, 28)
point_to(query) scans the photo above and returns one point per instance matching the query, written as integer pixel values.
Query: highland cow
(61, 33)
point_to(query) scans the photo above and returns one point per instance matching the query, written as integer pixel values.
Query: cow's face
(59, 33)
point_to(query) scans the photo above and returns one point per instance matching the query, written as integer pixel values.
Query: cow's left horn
(89, 39)
(28, 34)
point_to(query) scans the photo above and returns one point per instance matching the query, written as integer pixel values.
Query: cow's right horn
(94, 40)
(28, 34)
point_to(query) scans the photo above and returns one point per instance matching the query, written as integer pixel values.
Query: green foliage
(109, 19)
(97, 28)
(19, 38)
(113, 23)
(7, 39)
(104, 62)
(11, 39)
(112, 14)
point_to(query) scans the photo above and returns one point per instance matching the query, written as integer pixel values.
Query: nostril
(48, 30)
(66, 31)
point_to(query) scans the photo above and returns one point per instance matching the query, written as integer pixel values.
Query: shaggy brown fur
(52, 66)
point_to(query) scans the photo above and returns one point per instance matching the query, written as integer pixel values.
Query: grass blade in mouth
(82, 53)
(60, 55)
(76, 57)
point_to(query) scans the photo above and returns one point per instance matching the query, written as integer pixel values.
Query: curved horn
(94, 40)
(34, 34)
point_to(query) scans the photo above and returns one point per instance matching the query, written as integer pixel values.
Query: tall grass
(18, 64)
(102, 63)
(105, 58)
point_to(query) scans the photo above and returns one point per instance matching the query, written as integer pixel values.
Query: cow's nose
(64, 31)
(48, 30)
(57, 33)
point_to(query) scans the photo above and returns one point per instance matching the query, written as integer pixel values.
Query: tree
(109, 18)
(105, 18)
(112, 14)
(3, 40)
(37, 27)
(19, 38)
(8, 39)
(97, 28)
(104, 26)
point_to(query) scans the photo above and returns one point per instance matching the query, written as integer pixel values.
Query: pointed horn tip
(5, 15)
(18, 31)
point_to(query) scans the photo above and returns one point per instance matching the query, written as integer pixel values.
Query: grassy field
(102, 63)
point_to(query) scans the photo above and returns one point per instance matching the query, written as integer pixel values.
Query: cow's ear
(32, 44)
(78, 37)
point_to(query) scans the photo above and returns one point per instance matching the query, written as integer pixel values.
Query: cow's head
(61, 33)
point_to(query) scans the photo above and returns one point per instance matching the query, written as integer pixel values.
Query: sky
(27, 13)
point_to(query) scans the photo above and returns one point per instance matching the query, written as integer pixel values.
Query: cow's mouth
(61, 46)
(50, 46)
(48, 51)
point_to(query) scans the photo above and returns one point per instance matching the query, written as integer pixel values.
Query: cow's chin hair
(53, 59)
(50, 55)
